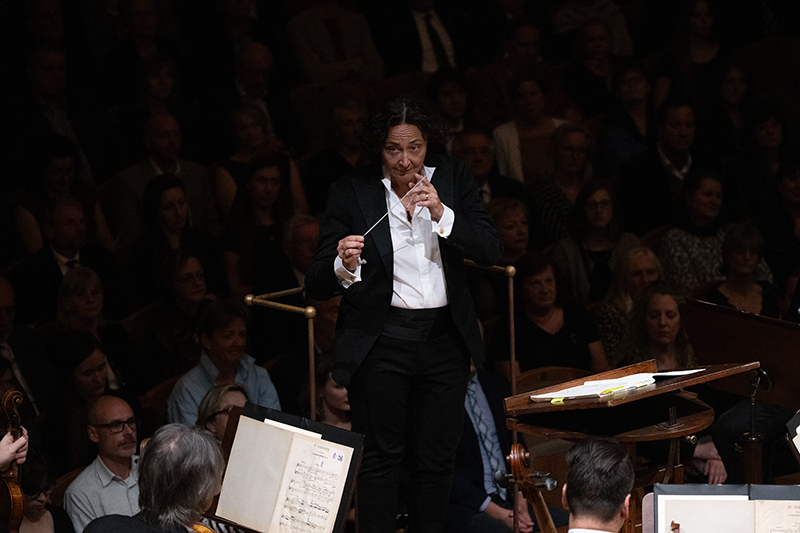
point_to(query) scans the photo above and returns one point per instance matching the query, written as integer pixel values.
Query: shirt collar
(158, 172)
(212, 372)
(107, 476)
(63, 260)
(679, 173)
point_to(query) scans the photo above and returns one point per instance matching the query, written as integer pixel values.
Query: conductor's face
(404, 152)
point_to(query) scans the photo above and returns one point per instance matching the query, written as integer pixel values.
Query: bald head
(113, 428)
(7, 308)
(253, 69)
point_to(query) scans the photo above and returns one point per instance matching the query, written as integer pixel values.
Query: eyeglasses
(117, 426)
(226, 411)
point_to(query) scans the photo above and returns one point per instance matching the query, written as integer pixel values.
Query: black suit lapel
(372, 201)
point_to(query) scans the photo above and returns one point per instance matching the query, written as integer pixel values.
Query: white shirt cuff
(486, 502)
(346, 278)
(445, 224)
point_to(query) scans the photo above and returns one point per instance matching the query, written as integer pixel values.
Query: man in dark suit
(407, 326)
(37, 279)
(651, 183)
(476, 148)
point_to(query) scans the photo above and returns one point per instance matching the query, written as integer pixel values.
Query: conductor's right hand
(349, 250)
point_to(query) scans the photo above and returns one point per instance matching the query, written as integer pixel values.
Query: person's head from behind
(212, 413)
(741, 250)
(162, 137)
(675, 125)
(112, 426)
(599, 482)
(180, 472)
(164, 205)
(185, 280)
(510, 216)
(81, 358)
(65, 226)
(300, 241)
(80, 299)
(476, 147)
(223, 332)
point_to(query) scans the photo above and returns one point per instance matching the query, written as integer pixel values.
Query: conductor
(392, 243)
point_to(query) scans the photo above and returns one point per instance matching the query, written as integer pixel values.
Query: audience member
(587, 78)
(342, 157)
(635, 271)
(597, 493)
(573, 14)
(162, 138)
(38, 277)
(551, 330)
(26, 357)
(212, 413)
(629, 127)
(332, 43)
(595, 245)
(572, 150)
(166, 228)
(651, 183)
(475, 146)
(38, 514)
(180, 473)
(223, 333)
(333, 406)
(110, 485)
(779, 225)
(447, 91)
(55, 175)
(741, 289)
(299, 244)
(523, 144)
(691, 252)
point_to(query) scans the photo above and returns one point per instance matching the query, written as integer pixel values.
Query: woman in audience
(691, 253)
(689, 68)
(588, 256)
(587, 78)
(333, 407)
(212, 413)
(741, 254)
(253, 255)
(38, 514)
(552, 201)
(634, 272)
(56, 176)
(250, 129)
(170, 341)
(551, 331)
(165, 220)
(523, 144)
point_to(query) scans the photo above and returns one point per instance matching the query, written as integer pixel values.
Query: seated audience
(162, 139)
(332, 43)
(166, 221)
(573, 14)
(110, 485)
(596, 243)
(741, 255)
(38, 514)
(691, 253)
(779, 225)
(341, 158)
(651, 183)
(333, 406)
(523, 145)
(180, 472)
(551, 330)
(447, 91)
(37, 278)
(212, 413)
(597, 493)
(223, 333)
(299, 244)
(636, 269)
(476, 147)
(56, 176)
(251, 132)
(552, 201)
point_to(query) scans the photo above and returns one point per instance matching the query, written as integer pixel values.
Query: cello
(11, 498)
(520, 471)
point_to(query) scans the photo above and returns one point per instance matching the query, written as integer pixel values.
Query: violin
(11, 499)
(520, 471)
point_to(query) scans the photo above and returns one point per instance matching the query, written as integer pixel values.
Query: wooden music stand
(660, 411)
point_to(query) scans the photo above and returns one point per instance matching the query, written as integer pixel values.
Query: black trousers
(407, 397)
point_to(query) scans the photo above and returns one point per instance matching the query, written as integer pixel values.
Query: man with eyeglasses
(110, 485)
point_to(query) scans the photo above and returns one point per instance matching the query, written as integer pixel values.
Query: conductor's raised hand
(425, 195)
(349, 250)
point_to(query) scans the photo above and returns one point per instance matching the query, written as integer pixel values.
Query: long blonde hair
(618, 295)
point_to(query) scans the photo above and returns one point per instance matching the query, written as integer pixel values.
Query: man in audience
(37, 279)
(651, 183)
(299, 243)
(597, 493)
(110, 485)
(476, 148)
(223, 333)
(162, 139)
(27, 355)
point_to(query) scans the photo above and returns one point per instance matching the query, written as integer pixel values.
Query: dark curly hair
(396, 111)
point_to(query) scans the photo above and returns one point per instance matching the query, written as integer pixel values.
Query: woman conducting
(392, 244)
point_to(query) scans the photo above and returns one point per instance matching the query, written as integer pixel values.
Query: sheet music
(777, 516)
